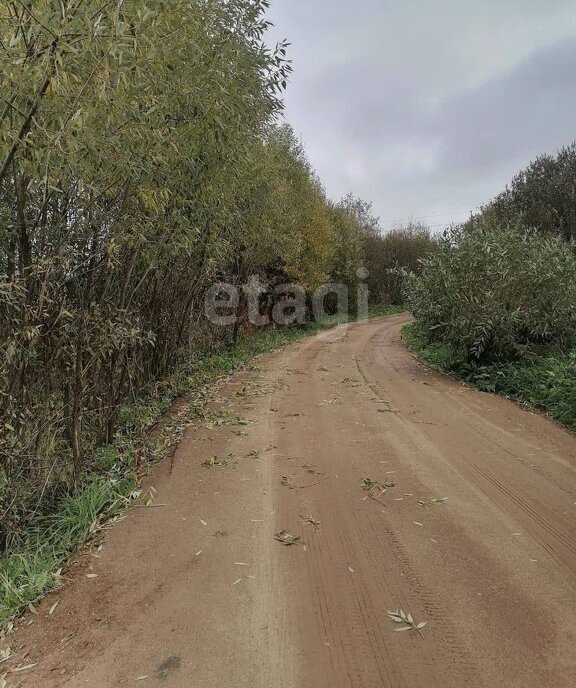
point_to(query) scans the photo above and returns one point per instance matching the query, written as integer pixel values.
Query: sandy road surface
(198, 594)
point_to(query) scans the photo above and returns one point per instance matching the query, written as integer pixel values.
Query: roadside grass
(36, 569)
(544, 380)
(144, 436)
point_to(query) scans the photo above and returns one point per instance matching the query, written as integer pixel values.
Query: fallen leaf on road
(375, 488)
(400, 616)
(309, 521)
(288, 481)
(287, 538)
(434, 501)
(219, 462)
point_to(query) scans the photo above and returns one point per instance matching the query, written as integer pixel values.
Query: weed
(26, 575)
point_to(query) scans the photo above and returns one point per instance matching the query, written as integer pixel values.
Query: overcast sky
(428, 107)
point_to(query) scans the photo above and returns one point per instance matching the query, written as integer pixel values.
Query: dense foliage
(496, 293)
(141, 161)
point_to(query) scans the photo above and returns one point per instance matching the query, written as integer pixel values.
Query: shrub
(496, 293)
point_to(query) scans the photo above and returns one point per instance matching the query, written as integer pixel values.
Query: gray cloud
(527, 110)
(428, 108)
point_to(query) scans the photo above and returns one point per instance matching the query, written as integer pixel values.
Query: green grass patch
(543, 380)
(34, 569)
(441, 356)
(27, 574)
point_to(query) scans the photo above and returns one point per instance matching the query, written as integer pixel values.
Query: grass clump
(35, 568)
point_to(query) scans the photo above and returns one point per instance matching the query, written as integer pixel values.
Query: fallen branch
(303, 487)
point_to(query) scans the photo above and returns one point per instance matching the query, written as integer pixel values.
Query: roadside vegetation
(141, 162)
(495, 302)
(541, 381)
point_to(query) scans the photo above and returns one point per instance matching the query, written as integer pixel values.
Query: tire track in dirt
(381, 573)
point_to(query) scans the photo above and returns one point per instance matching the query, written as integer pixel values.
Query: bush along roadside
(544, 380)
(146, 432)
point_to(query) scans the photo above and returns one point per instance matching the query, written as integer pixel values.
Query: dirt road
(198, 594)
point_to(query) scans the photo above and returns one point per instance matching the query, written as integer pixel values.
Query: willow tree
(123, 130)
